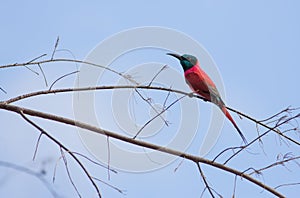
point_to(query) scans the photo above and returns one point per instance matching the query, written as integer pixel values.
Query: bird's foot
(191, 94)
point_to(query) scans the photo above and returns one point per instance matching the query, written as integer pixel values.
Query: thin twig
(108, 158)
(155, 76)
(204, 180)
(180, 163)
(31, 70)
(166, 99)
(275, 115)
(3, 90)
(289, 184)
(55, 47)
(111, 186)
(74, 72)
(44, 76)
(36, 146)
(68, 172)
(55, 167)
(234, 186)
(94, 162)
(227, 149)
(31, 61)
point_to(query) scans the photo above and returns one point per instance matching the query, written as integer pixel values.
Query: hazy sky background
(255, 45)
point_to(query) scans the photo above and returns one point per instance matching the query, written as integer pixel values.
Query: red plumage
(201, 84)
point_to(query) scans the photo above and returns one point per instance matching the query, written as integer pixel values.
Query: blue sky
(254, 44)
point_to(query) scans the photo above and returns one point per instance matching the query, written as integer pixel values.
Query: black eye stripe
(185, 59)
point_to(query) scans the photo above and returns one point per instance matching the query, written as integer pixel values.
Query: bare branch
(273, 123)
(70, 61)
(193, 158)
(22, 113)
(204, 180)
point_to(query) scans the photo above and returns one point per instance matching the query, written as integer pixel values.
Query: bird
(201, 84)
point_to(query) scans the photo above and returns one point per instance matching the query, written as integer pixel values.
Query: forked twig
(62, 147)
(157, 115)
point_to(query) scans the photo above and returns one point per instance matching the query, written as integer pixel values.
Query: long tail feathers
(225, 111)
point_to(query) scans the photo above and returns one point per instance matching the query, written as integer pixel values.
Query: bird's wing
(201, 83)
(215, 96)
(197, 84)
(211, 88)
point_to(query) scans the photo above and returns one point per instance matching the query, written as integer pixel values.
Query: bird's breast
(197, 83)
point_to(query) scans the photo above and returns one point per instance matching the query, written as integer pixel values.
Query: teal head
(187, 61)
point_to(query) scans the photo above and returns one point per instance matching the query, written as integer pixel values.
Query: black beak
(175, 55)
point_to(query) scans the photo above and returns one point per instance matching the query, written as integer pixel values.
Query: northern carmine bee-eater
(201, 84)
